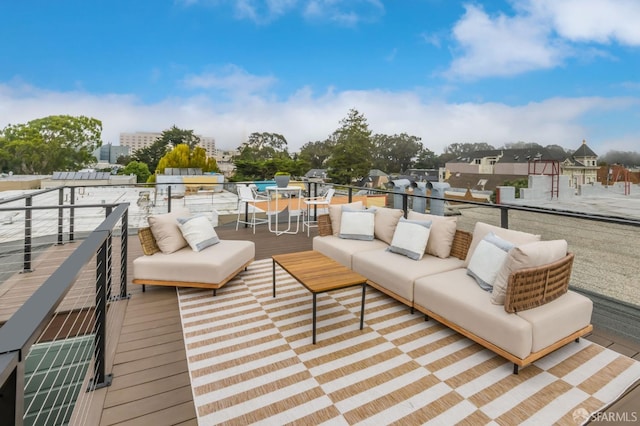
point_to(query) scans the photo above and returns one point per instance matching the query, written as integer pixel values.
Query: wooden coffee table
(319, 274)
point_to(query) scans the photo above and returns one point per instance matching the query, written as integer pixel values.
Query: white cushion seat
(211, 267)
(457, 297)
(341, 250)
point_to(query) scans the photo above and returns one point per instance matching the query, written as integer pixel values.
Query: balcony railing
(605, 266)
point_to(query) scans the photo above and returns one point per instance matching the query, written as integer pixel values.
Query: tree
(351, 158)
(315, 154)
(53, 143)
(168, 139)
(394, 154)
(136, 168)
(459, 149)
(182, 157)
(427, 159)
(264, 146)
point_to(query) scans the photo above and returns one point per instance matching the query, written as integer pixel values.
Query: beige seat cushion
(481, 230)
(386, 221)
(396, 272)
(443, 231)
(341, 250)
(166, 232)
(558, 319)
(455, 296)
(212, 265)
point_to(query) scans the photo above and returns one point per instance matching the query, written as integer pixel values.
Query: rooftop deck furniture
(539, 315)
(248, 202)
(318, 274)
(210, 267)
(315, 203)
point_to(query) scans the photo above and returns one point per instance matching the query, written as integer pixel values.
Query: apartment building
(139, 140)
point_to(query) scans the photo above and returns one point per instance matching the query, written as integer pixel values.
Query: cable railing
(58, 333)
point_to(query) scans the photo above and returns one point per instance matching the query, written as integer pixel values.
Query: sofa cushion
(397, 273)
(212, 265)
(198, 231)
(481, 229)
(529, 255)
(357, 224)
(386, 220)
(443, 231)
(164, 228)
(487, 260)
(341, 250)
(455, 296)
(558, 319)
(335, 213)
(410, 238)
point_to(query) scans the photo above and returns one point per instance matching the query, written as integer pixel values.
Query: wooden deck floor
(150, 378)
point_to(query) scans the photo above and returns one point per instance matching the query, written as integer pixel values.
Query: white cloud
(306, 116)
(344, 12)
(541, 34)
(600, 21)
(502, 45)
(230, 79)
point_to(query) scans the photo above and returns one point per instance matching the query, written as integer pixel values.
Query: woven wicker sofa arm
(324, 225)
(147, 241)
(532, 287)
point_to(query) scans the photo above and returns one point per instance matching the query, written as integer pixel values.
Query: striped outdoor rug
(251, 361)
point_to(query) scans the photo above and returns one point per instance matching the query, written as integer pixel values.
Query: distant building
(581, 167)
(109, 153)
(139, 140)
(89, 178)
(499, 161)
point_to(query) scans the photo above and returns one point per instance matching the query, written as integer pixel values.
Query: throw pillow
(524, 256)
(198, 231)
(482, 229)
(386, 220)
(164, 228)
(410, 238)
(443, 231)
(487, 259)
(357, 224)
(335, 214)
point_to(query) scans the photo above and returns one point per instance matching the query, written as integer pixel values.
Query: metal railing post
(169, 199)
(405, 204)
(101, 379)
(504, 217)
(12, 390)
(60, 215)
(350, 195)
(124, 241)
(72, 210)
(28, 201)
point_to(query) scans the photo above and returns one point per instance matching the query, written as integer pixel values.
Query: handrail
(24, 327)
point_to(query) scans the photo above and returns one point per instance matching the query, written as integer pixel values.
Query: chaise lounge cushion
(397, 273)
(212, 265)
(557, 319)
(455, 296)
(341, 250)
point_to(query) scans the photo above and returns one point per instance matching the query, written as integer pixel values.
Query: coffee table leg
(364, 291)
(274, 278)
(314, 318)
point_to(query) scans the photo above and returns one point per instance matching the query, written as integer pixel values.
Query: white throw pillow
(164, 228)
(481, 229)
(357, 224)
(487, 259)
(410, 238)
(198, 231)
(443, 231)
(525, 256)
(335, 214)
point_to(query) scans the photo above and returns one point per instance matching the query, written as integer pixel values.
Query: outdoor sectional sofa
(530, 312)
(181, 250)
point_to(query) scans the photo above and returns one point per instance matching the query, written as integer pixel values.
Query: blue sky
(545, 71)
